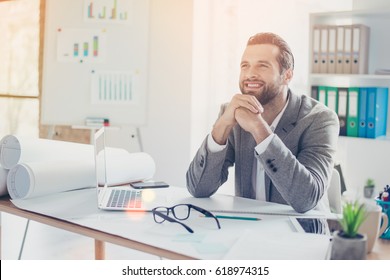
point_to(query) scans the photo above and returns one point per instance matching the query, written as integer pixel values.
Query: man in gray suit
(282, 144)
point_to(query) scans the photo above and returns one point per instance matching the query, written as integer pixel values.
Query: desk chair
(334, 192)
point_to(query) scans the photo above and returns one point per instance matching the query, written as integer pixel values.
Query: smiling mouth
(253, 85)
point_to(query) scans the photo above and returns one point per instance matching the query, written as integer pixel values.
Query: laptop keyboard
(125, 199)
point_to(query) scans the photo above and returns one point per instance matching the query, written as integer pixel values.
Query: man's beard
(265, 95)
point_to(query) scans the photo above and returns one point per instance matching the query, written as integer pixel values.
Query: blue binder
(362, 131)
(377, 100)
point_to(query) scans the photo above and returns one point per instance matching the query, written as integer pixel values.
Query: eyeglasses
(180, 212)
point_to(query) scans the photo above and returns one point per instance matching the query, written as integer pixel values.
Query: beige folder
(332, 33)
(347, 54)
(339, 49)
(315, 68)
(360, 43)
(324, 49)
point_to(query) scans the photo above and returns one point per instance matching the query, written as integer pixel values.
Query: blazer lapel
(285, 125)
(290, 116)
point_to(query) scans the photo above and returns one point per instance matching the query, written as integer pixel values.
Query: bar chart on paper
(80, 45)
(112, 87)
(107, 10)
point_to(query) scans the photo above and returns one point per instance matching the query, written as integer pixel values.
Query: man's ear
(287, 76)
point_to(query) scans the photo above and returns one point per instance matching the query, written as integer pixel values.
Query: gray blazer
(298, 162)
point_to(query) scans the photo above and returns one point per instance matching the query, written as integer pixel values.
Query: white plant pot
(348, 248)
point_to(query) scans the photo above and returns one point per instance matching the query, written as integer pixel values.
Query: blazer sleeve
(209, 170)
(300, 173)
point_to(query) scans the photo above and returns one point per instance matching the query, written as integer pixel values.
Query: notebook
(120, 197)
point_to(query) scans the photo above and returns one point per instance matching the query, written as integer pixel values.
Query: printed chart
(114, 87)
(81, 45)
(116, 11)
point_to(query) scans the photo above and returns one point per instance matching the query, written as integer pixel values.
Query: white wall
(166, 137)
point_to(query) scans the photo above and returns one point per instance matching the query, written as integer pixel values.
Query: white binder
(332, 33)
(347, 56)
(360, 43)
(339, 49)
(332, 98)
(316, 50)
(324, 49)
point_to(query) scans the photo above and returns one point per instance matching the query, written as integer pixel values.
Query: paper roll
(14, 150)
(3, 181)
(123, 168)
(26, 180)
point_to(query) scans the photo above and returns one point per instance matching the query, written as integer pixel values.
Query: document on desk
(254, 245)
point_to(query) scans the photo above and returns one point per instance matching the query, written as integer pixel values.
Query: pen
(234, 218)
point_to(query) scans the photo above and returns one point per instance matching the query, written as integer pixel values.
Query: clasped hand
(248, 114)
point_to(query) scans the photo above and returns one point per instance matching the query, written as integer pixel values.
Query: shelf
(350, 15)
(352, 76)
(377, 20)
(381, 138)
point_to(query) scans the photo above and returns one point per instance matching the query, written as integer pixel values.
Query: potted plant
(349, 244)
(369, 188)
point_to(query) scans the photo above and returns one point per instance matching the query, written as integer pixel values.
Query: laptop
(120, 197)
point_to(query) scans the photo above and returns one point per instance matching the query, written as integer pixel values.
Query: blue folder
(377, 101)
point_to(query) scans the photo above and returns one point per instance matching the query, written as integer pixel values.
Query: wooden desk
(100, 237)
(381, 249)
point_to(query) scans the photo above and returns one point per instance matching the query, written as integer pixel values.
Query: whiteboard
(95, 61)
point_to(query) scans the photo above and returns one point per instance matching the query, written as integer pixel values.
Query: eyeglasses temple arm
(169, 219)
(206, 213)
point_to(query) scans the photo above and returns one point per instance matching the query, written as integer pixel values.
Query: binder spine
(352, 113)
(342, 110)
(362, 131)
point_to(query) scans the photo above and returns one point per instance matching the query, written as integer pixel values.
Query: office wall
(167, 133)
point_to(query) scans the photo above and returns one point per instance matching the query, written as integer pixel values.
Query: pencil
(234, 218)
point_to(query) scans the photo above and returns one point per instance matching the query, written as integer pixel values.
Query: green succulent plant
(354, 213)
(370, 183)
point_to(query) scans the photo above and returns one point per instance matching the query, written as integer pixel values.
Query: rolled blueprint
(15, 149)
(26, 180)
(32, 179)
(3, 181)
(123, 168)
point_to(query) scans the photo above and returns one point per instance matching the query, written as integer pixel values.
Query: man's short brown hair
(285, 57)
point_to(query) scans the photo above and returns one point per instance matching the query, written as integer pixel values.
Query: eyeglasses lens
(181, 211)
(157, 217)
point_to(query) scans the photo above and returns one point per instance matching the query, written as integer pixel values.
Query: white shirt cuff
(213, 146)
(260, 148)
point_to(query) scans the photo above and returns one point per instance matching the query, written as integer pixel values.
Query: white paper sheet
(253, 245)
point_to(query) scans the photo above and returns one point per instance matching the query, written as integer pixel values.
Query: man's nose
(251, 73)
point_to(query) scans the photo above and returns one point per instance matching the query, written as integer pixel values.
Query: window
(20, 66)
